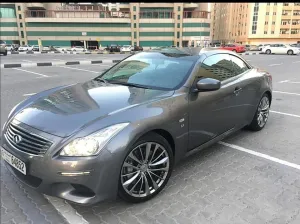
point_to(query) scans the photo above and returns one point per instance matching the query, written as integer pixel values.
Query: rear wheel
(5, 53)
(268, 51)
(146, 169)
(290, 52)
(261, 115)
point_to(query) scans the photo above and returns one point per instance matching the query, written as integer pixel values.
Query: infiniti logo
(17, 139)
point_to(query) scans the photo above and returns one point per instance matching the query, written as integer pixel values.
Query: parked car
(234, 47)
(114, 48)
(137, 48)
(247, 46)
(58, 48)
(9, 47)
(254, 48)
(261, 46)
(122, 132)
(35, 48)
(126, 48)
(78, 49)
(280, 49)
(3, 49)
(295, 45)
(25, 48)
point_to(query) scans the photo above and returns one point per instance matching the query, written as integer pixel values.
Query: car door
(212, 113)
(282, 49)
(246, 90)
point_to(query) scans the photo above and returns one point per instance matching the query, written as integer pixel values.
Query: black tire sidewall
(150, 137)
(292, 52)
(268, 51)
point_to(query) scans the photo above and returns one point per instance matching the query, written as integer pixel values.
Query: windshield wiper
(100, 79)
(130, 84)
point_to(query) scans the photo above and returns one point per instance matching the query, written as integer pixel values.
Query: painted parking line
(284, 81)
(79, 69)
(296, 62)
(287, 114)
(41, 75)
(29, 94)
(275, 64)
(296, 94)
(261, 155)
(27, 61)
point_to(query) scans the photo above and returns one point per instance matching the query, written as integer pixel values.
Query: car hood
(68, 109)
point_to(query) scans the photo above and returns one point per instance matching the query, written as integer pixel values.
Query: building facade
(256, 23)
(97, 24)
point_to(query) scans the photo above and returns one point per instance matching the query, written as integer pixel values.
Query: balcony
(190, 5)
(196, 14)
(75, 14)
(156, 15)
(35, 5)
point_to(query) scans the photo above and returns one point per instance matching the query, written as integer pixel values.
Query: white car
(280, 49)
(126, 48)
(25, 48)
(78, 49)
(61, 49)
(261, 46)
(9, 47)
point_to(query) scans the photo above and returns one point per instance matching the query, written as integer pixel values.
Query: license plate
(13, 161)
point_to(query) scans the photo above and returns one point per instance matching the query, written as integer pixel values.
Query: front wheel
(261, 115)
(146, 169)
(268, 51)
(290, 52)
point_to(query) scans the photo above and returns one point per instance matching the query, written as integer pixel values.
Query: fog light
(74, 173)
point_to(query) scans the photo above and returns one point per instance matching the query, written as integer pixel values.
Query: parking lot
(247, 178)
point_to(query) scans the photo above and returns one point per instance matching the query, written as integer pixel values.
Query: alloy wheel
(145, 169)
(263, 111)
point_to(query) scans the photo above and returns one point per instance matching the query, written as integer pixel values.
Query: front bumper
(82, 180)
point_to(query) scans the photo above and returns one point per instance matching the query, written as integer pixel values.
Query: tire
(5, 53)
(143, 173)
(268, 51)
(290, 52)
(255, 125)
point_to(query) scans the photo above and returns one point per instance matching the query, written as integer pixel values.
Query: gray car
(3, 49)
(122, 132)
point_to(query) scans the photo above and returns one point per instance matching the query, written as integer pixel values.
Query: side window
(238, 65)
(217, 67)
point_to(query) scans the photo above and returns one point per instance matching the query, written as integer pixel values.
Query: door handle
(237, 90)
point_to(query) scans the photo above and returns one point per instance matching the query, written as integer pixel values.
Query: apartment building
(256, 23)
(98, 24)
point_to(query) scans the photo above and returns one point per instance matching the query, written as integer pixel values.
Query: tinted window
(217, 67)
(153, 70)
(238, 65)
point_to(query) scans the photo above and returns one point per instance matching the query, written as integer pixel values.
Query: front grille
(29, 143)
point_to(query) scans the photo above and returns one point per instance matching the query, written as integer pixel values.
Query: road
(247, 178)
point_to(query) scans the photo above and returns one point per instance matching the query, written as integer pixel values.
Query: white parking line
(276, 64)
(296, 62)
(46, 76)
(79, 69)
(261, 155)
(29, 94)
(284, 81)
(296, 94)
(277, 112)
(27, 61)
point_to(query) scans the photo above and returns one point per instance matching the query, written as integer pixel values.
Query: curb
(43, 64)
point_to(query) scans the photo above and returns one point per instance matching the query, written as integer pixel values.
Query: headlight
(92, 144)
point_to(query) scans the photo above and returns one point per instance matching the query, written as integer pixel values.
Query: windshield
(151, 70)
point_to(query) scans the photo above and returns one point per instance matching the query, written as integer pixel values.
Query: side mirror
(208, 84)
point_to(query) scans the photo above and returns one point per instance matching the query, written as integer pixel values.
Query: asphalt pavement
(250, 177)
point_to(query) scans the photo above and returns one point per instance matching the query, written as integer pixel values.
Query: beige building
(95, 24)
(256, 23)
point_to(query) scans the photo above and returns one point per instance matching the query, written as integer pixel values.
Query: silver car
(3, 49)
(123, 132)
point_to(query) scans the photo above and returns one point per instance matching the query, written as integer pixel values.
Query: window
(21, 24)
(178, 34)
(134, 35)
(272, 32)
(275, 3)
(134, 17)
(266, 23)
(268, 3)
(19, 8)
(22, 34)
(134, 25)
(273, 23)
(178, 44)
(178, 16)
(178, 25)
(20, 16)
(285, 4)
(179, 8)
(274, 13)
(134, 8)
(217, 67)
(265, 32)
(155, 71)
(267, 13)
(239, 66)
